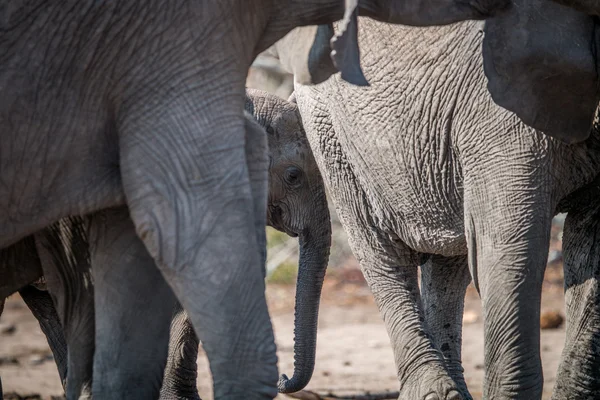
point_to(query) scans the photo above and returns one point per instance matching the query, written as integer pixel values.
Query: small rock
(17, 396)
(7, 329)
(470, 317)
(479, 366)
(375, 344)
(304, 395)
(9, 361)
(551, 319)
(326, 373)
(38, 359)
(347, 363)
(554, 255)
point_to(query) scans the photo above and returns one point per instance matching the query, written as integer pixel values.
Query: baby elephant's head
(297, 203)
(297, 206)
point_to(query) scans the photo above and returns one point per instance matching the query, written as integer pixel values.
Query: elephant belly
(414, 186)
(432, 226)
(47, 174)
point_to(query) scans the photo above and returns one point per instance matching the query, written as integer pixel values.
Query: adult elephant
(107, 104)
(425, 169)
(297, 205)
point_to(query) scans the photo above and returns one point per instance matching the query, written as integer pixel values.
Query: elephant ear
(540, 61)
(305, 53)
(345, 53)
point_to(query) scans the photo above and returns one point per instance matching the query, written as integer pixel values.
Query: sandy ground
(354, 355)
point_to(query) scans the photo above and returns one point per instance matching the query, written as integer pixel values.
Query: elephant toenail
(453, 395)
(432, 396)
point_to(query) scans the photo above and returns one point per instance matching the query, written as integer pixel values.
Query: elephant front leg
(181, 370)
(444, 282)
(508, 217)
(187, 184)
(420, 366)
(134, 306)
(578, 371)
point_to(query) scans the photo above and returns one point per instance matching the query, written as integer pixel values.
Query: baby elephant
(61, 259)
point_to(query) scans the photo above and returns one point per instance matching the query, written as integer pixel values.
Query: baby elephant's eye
(292, 175)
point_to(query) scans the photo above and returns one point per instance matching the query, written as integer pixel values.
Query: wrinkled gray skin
(425, 169)
(297, 206)
(112, 104)
(578, 371)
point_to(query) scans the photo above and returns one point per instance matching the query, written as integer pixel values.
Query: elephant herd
(137, 177)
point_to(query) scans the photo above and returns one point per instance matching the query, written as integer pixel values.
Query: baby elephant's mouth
(275, 220)
(290, 233)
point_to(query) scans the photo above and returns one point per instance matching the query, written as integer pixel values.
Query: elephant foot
(433, 387)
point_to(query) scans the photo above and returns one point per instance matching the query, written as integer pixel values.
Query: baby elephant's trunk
(315, 242)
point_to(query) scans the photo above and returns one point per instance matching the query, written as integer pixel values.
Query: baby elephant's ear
(345, 53)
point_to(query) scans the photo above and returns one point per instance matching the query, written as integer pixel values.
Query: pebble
(38, 359)
(551, 319)
(16, 396)
(7, 329)
(470, 317)
(9, 361)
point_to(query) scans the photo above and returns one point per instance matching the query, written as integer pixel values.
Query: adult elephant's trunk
(315, 242)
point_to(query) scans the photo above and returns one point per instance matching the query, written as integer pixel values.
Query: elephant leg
(390, 269)
(64, 254)
(181, 370)
(578, 371)
(188, 187)
(134, 306)
(508, 217)
(420, 367)
(41, 306)
(444, 282)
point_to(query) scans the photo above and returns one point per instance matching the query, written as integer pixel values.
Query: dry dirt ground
(354, 355)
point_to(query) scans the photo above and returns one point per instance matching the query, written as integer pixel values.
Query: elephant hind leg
(420, 366)
(133, 304)
(578, 371)
(444, 282)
